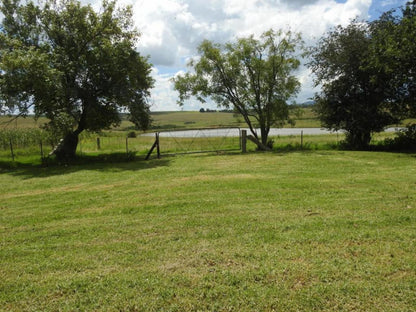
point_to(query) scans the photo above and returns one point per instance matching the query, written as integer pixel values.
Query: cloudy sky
(172, 29)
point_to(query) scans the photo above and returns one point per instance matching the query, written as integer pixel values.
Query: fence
(17, 145)
(198, 141)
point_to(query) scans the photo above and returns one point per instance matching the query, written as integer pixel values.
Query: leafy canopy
(254, 76)
(394, 50)
(353, 94)
(76, 66)
(367, 72)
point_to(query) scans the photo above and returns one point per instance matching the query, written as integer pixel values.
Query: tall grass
(22, 137)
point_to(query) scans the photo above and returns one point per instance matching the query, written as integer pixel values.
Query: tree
(394, 50)
(77, 67)
(353, 94)
(252, 75)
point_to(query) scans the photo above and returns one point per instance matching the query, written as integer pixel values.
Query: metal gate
(197, 141)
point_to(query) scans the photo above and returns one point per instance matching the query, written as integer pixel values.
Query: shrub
(405, 139)
(131, 134)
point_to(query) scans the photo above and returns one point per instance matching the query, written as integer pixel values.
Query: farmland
(174, 120)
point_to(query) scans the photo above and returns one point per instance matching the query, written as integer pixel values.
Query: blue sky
(172, 29)
(380, 6)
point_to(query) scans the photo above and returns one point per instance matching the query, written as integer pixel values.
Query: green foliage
(353, 94)
(73, 65)
(367, 72)
(394, 48)
(254, 76)
(404, 141)
(23, 138)
(131, 134)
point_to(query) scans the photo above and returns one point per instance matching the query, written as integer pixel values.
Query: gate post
(157, 145)
(301, 139)
(244, 141)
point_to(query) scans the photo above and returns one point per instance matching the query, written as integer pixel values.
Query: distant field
(184, 120)
(173, 120)
(195, 120)
(21, 123)
(23, 141)
(296, 231)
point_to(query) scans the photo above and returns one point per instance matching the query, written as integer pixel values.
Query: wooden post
(157, 145)
(244, 141)
(98, 144)
(11, 149)
(301, 139)
(41, 150)
(127, 145)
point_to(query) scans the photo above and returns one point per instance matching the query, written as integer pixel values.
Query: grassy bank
(300, 231)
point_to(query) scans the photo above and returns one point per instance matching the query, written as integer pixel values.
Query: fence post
(301, 139)
(127, 145)
(244, 141)
(157, 145)
(41, 150)
(11, 149)
(98, 144)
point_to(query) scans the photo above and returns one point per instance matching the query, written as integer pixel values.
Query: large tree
(353, 96)
(393, 55)
(254, 76)
(76, 66)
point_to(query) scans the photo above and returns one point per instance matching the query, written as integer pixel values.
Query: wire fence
(19, 144)
(200, 141)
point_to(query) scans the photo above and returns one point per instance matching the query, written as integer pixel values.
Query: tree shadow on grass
(113, 162)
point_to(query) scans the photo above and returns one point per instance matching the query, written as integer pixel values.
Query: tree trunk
(260, 146)
(358, 139)
(67, 147)
(264, 137)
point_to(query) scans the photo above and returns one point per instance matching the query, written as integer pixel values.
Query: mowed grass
(299, 231)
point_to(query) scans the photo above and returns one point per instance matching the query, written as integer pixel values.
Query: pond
(235, 132)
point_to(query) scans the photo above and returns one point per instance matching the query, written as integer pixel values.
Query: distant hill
(304, 104)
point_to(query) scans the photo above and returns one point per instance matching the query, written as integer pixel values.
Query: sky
(172, 29)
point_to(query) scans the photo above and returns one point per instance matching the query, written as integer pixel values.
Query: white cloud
(172, 29)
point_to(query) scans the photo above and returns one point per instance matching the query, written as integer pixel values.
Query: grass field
(183, 120)
(296, 231)
(174, 120)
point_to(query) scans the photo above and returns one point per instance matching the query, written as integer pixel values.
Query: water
(235, 132)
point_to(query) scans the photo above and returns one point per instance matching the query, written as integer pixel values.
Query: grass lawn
(297, 231)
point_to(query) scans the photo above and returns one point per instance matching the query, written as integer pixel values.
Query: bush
(131, 134)
(405, 140)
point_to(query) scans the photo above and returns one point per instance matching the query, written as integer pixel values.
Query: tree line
(80, 68)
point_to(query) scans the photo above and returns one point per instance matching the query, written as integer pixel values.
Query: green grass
(21, 123)
(297, 231)
(195, 120)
